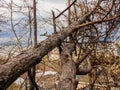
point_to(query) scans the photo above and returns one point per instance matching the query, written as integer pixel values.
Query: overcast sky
(48, 5)
(44, 7)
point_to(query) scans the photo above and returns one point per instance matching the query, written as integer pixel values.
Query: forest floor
(47, 76)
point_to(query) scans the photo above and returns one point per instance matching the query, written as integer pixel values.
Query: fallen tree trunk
(18, 65)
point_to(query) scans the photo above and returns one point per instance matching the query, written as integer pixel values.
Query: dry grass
(15, 87)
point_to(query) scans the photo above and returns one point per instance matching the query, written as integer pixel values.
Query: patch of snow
(46, 73)
(19, 81)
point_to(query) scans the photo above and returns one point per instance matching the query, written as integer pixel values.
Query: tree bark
(32, 71)
(18, 65)
(68, 69)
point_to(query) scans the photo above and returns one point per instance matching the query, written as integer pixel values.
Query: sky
(43, 6)
(50, 4)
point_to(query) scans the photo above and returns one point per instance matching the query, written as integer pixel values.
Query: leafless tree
(88, 28)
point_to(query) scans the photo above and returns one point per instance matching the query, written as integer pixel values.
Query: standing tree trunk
(69, 13)
(35, 24)
(68, 69)
(33, 69)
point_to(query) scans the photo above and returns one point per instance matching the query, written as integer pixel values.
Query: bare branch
(66, 9)
(84, 71)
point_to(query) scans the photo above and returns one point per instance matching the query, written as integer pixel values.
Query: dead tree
(21, 63)
(68, 69)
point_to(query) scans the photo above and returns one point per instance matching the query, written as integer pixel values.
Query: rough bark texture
(18, 65)
(68, 72)
(84, 71)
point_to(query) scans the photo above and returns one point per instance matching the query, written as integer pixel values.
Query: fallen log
(18, 65)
